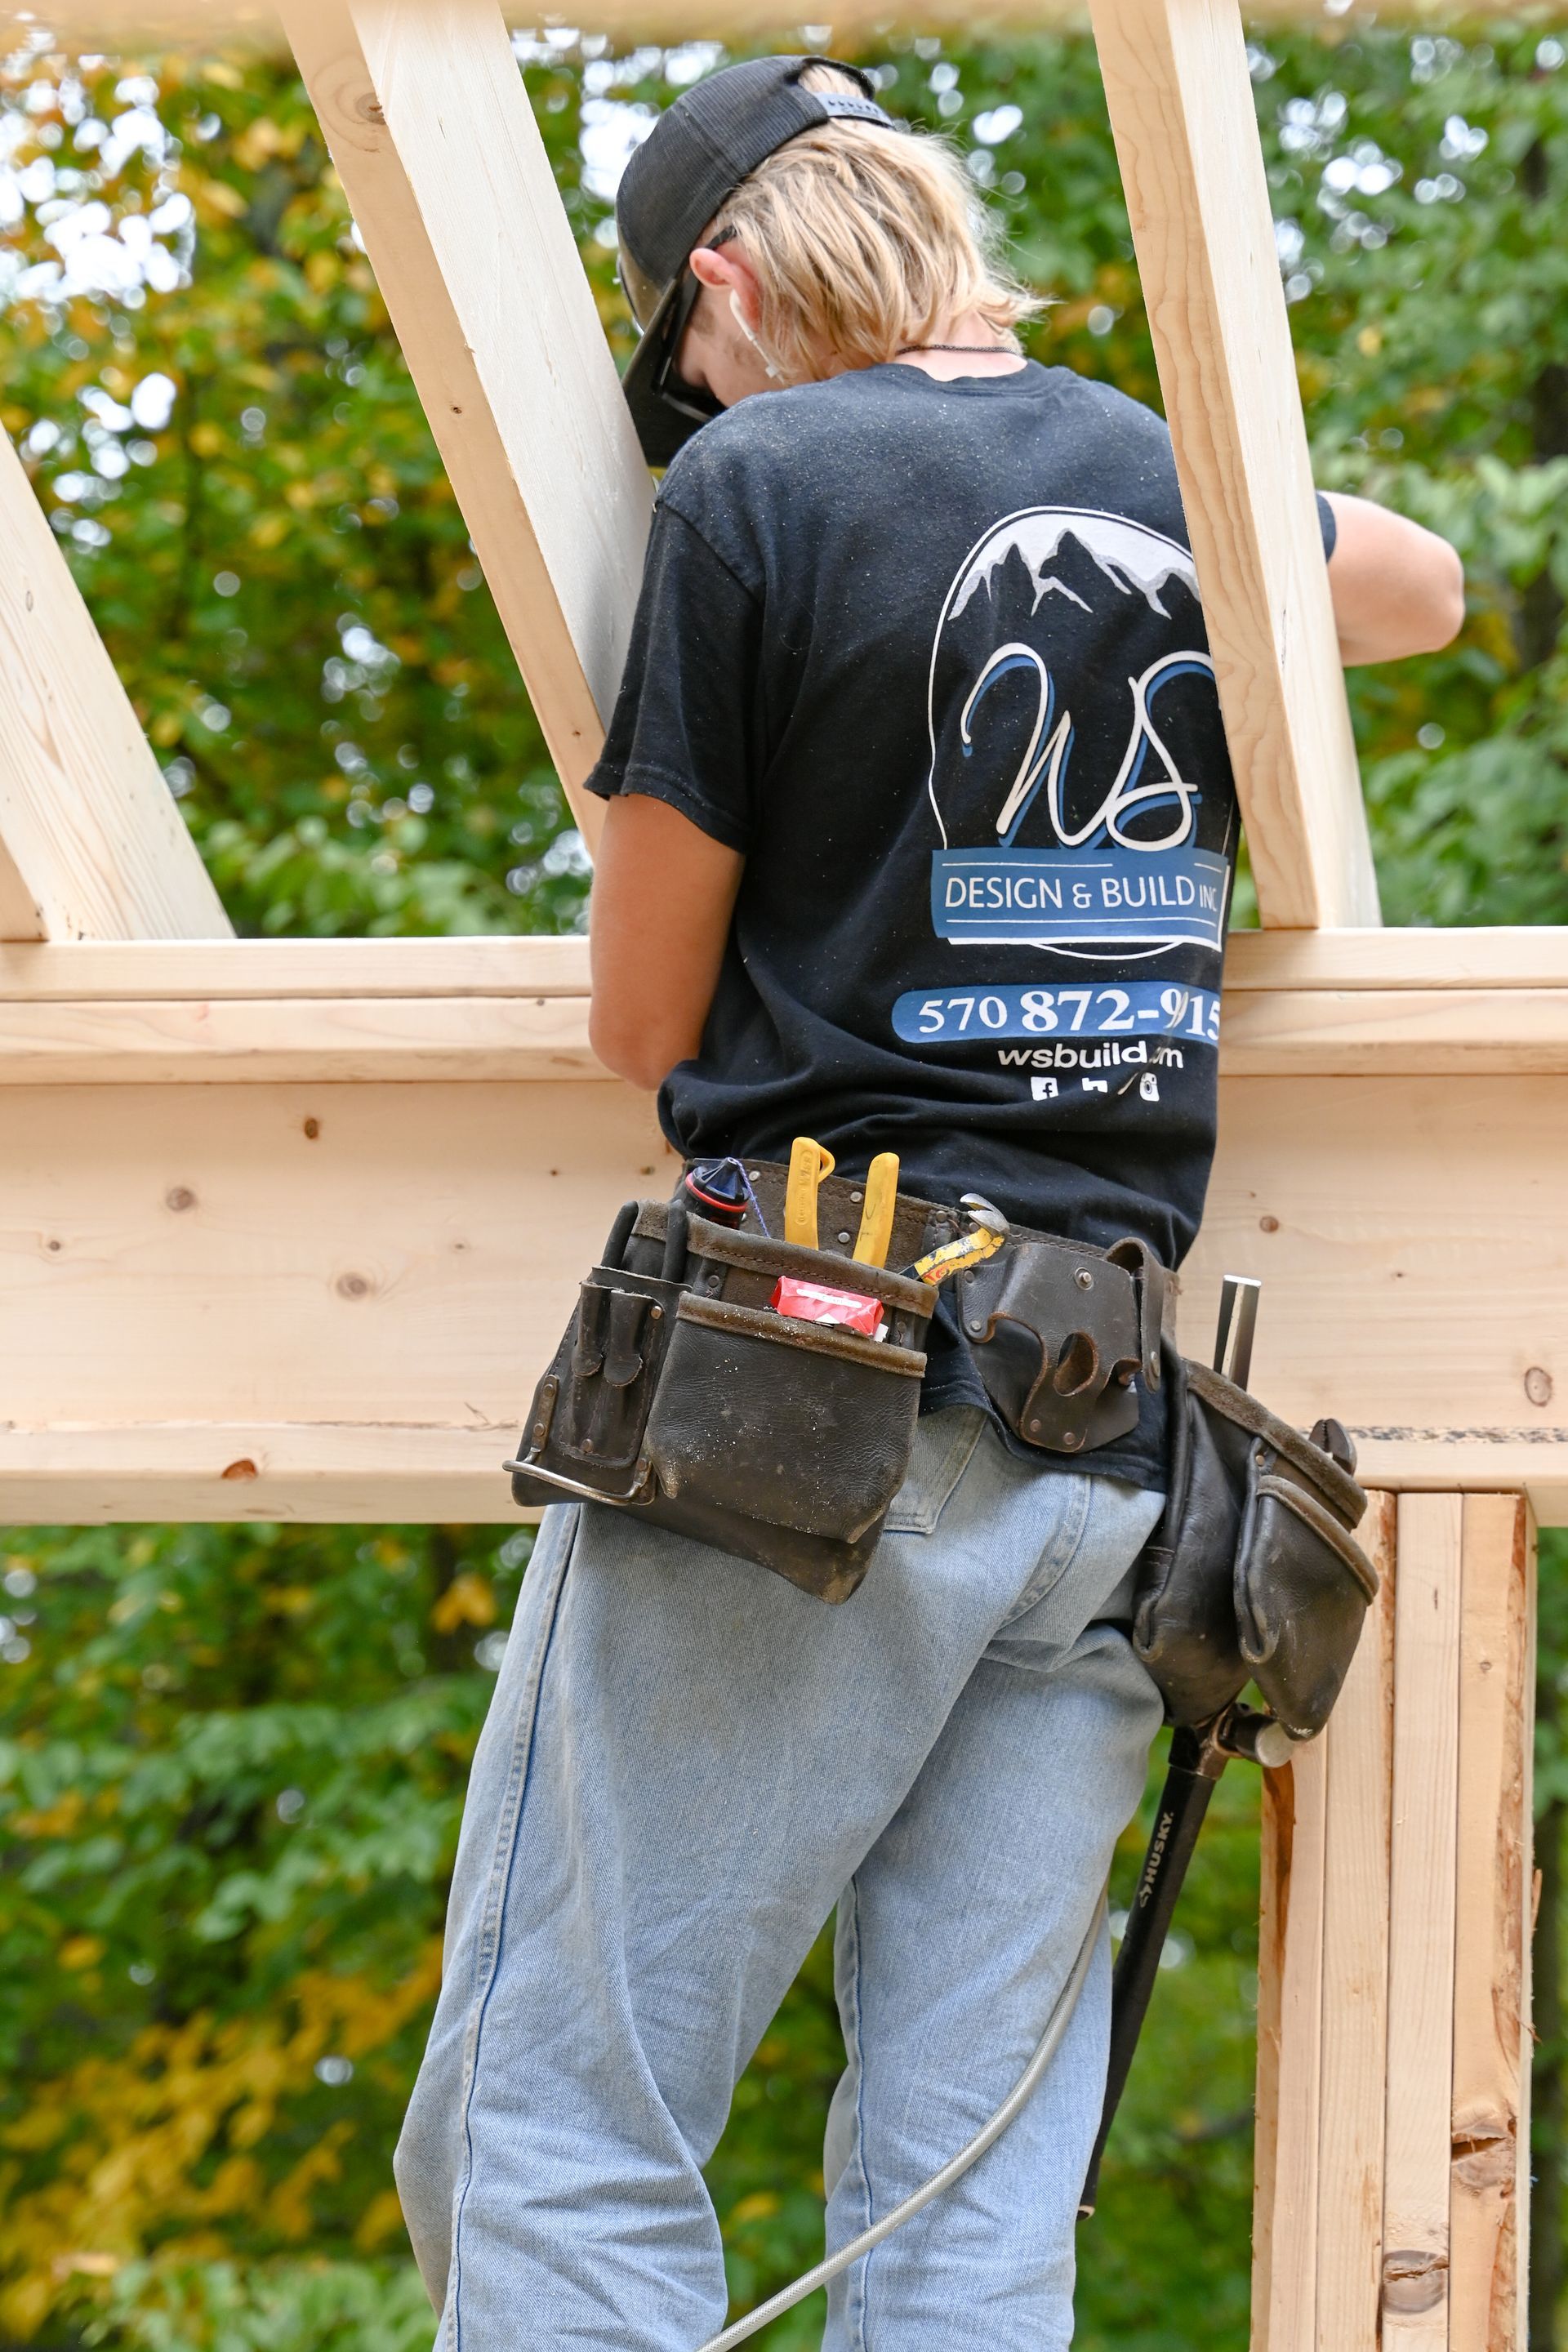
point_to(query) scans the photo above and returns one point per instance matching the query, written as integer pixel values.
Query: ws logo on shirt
(1071, 711)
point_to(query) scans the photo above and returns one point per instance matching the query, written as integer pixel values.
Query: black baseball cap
(696, 155)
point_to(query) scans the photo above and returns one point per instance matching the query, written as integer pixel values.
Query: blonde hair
(864, 241)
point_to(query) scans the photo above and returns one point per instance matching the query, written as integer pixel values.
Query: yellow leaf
(267, 530)
(206, 440)
(755, 2208)
(468, 1601)
(1369, 343)
(80, 1951)
(382, 2220)
(224, 77)
(219, 198)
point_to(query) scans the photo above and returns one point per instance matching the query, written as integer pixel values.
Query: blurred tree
(232, 1761)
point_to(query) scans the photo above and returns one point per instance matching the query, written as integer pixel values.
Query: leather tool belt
(1253, 1574)
(680, 1394)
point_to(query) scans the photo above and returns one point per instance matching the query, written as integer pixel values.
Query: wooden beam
(252, 1009)
(499, 1032)
(1451, 1032)
(1522, 956)
(92, 843)
(319, 1473)
(1357, 963)
(423, 106)
(1489, 2205)
(1412, 1241)
(1416, 2254)
(1180, 108)
(1360, 1751)
(144, 25)
(1289, 2055)
(338, 1040)
(148, 972)
(120, 1307)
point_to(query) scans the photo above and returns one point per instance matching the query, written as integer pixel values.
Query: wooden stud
(1360, 1748)
(92, 843)
(1421, 1924)
(422, 104)
(1289, 2050)
(1490, 2212)
(1181, 112)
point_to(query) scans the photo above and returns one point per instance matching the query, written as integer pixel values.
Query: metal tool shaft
(1196, 1763)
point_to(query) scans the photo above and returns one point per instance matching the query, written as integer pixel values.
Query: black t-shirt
(932, 655)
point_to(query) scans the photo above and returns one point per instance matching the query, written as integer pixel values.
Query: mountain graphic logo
(1017, 754)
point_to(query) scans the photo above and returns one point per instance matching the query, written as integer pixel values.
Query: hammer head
(986, 1215)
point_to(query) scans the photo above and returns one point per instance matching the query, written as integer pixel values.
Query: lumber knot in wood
(1484, 2153)
(1413, 2280)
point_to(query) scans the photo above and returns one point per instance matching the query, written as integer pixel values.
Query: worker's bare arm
(1397, 588)
(663, 894)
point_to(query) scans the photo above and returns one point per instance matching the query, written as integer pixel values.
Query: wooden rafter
(1182, 112)
(92, 845)
(429, 126)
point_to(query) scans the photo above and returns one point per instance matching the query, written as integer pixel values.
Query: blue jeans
(686, 1764)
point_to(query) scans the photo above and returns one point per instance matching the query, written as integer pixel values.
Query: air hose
(956, 2166)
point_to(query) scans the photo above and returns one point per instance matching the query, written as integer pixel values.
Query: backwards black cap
(696, 155)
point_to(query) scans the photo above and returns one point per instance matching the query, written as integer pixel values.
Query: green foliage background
(232, 1760)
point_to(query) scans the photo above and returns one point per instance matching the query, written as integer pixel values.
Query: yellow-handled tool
(988, 1232)
(808, 1164)
(875, 1232)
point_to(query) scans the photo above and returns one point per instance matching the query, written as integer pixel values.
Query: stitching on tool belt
(784, 1331)
(1323, 1522)
(754, 1254)
(1239, 1406)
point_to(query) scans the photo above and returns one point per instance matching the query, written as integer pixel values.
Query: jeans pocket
(944, 1443)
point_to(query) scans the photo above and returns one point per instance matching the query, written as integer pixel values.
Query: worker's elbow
(1447, 599)
(627, 1045)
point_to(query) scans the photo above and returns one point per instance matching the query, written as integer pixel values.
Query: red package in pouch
(814, 1302)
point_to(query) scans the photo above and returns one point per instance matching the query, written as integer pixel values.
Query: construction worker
(920, 838)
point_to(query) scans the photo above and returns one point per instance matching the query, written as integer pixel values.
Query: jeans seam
(941, 1485)
(487, 1965)
(855, 2286)
(1057, 1560)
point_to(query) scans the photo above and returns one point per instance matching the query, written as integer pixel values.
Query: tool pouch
(689, 1400)
(1253, 1572)
(1060, 1332)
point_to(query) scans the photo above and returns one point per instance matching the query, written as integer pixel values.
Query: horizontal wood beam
(92, 843)
(178, 1263)
(1180, 97)
(1504, 957)
(1373, 1004)
(316, 1472)
(1256, 961)
(254, 1041)
(90, 24)
(423, 107)
(488, 1034)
